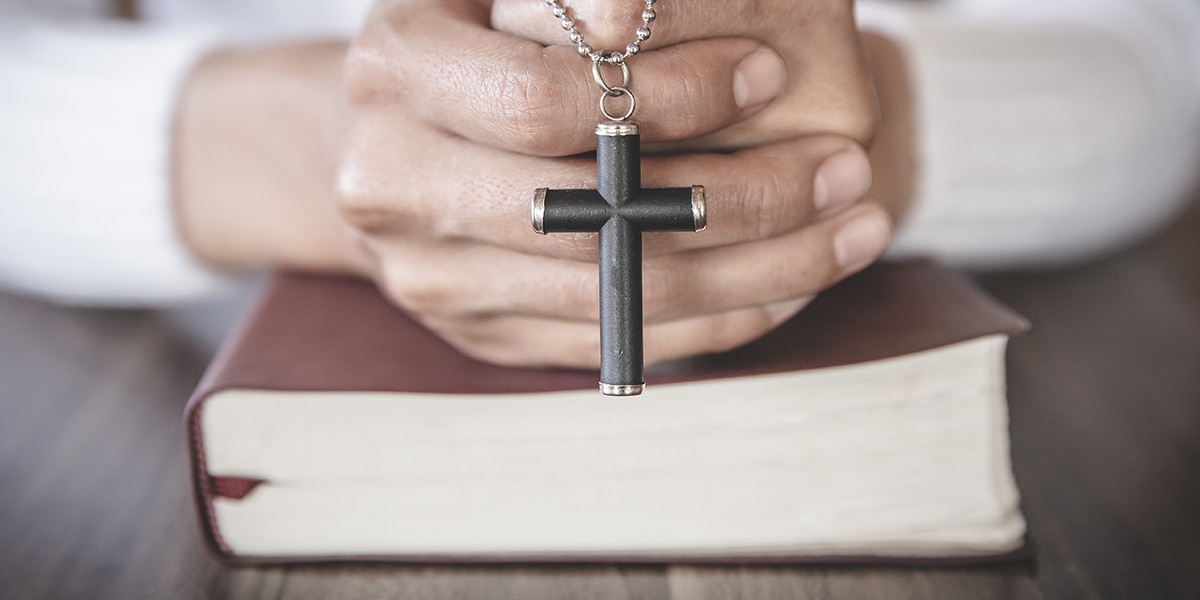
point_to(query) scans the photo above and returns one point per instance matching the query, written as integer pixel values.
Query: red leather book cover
(321, 333)
(318, 333)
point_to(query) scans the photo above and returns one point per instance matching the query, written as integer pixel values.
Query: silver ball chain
(608, 56)
(616, 59)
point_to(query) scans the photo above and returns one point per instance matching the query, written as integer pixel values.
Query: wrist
(256, 149)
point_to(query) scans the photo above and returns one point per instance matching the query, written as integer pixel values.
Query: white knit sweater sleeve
(85, 113)
(1049, 130)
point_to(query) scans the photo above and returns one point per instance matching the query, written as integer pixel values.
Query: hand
(454, 124)
(819, 60)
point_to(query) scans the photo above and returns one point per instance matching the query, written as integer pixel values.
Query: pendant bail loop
(617, 92)
(610, 90)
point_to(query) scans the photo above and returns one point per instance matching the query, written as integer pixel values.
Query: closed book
(871, 426)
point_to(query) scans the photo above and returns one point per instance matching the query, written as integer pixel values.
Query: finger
(705, 334)
(539, 342)
(449, 70)
(459, 279)
(752, 194)
(762, 192)
(436, 185)
(773, 270)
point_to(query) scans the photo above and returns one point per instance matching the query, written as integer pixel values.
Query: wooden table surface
(1105, 404)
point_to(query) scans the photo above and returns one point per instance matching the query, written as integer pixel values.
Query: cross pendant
(620, 210)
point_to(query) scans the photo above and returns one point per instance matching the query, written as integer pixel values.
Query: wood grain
(1105, 396)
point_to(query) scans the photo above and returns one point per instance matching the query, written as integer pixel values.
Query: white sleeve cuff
(86, 110)
(1048, 132)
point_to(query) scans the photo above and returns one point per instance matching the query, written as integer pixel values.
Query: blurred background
(1058, 147)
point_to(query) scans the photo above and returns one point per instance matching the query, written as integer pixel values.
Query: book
(871, 426)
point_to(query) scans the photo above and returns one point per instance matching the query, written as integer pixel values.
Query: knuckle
(367, 216)
(368, 75)
(357, 207)
(360, 76)
(371, 209)
(376, 195)
(420, 293)
(609, 23)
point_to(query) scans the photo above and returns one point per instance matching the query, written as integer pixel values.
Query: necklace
(620, 210)
(568, 24)
(600, 57)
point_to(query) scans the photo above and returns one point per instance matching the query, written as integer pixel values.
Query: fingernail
(862, 239)
(841, 179)
(758, 78)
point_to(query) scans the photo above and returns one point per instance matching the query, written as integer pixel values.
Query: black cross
(620, 210)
